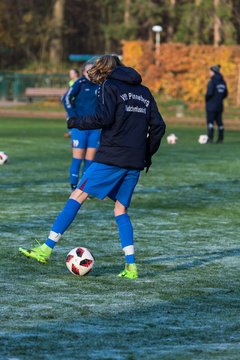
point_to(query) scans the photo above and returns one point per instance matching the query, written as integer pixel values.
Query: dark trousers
(212, 117)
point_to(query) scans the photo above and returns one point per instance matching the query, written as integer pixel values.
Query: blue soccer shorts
(101, 180)
(84, 139)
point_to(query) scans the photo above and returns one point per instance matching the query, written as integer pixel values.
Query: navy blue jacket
(216, 92)
(132, 127)
(81, 98)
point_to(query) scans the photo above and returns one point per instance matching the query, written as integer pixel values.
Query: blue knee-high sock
(86, 165)
(62, 222)
(74, 171)
(125, 230)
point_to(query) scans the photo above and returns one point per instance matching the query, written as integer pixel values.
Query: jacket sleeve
(226, 90)
(156, 129)
(104, 115)
(210, 90)
(68, 98)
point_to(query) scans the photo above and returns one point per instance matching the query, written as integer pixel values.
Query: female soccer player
(81, 99)
(132, 129)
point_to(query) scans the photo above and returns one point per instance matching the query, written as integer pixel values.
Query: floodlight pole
(157, 29)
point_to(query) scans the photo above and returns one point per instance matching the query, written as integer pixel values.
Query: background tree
(216, 24)
(56, 42)
(235, 9)
(43, 31)
(171, 20)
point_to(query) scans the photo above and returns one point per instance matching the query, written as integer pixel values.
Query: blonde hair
(103, 66)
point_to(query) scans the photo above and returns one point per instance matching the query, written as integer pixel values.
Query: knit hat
(215, 68)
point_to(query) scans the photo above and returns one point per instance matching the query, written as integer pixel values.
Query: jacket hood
(125, 74)
(217, 77)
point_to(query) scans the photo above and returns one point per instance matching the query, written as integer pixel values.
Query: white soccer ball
(80, 261)
(203, 139)
(3, 158)
(172, 139)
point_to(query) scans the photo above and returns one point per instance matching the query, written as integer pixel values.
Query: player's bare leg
(79, 195)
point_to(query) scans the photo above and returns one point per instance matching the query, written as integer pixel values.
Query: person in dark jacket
(132, 129)
(216, 92)
(81, 99)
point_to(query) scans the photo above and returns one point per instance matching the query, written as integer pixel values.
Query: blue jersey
(81, 98)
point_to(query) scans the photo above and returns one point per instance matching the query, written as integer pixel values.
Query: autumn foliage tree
(183, 70)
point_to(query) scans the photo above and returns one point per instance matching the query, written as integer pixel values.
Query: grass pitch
(185, 213)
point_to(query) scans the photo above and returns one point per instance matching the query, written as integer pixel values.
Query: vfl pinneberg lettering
(131, 96)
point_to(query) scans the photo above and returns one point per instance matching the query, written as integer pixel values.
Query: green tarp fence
(13, 84)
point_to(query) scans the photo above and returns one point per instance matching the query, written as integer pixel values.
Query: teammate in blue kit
(132, 129)
(73, 76)
(81, 99)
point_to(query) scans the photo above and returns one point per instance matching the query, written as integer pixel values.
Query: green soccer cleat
(129, 272)
(40, 253)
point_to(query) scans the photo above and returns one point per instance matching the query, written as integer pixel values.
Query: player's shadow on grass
(187, 196)
(194, 260)
(209, 185)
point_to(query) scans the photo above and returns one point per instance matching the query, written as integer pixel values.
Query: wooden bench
(50, 93)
